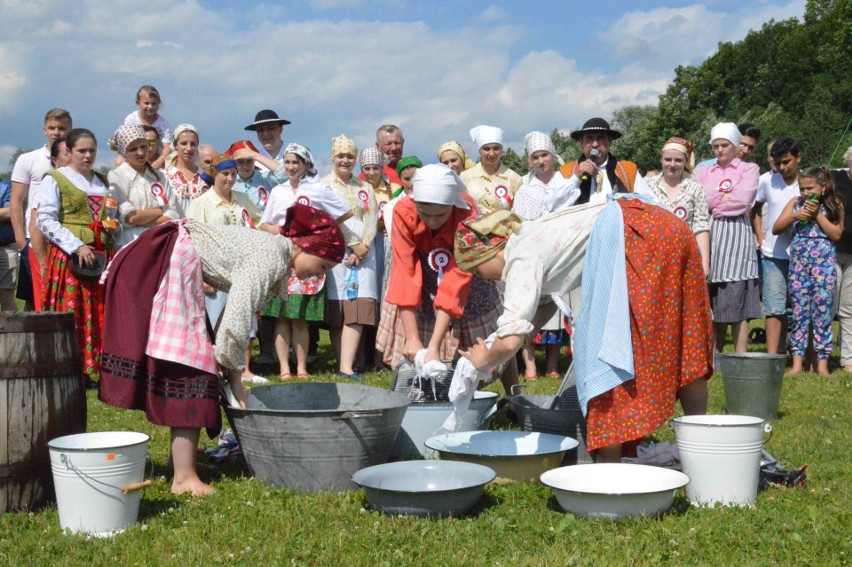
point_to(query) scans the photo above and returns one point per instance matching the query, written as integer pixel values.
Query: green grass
(248, 522)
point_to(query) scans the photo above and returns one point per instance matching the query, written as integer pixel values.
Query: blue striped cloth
(603, 351)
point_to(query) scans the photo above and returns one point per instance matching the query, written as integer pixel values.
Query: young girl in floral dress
(817, 218)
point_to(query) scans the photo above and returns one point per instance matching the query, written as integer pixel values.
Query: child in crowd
(255, 182)
(817, 220)
(148, 103)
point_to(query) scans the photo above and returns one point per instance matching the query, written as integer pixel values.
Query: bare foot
(847, 369)
(792, 372)
(192, 485)
(822, 369)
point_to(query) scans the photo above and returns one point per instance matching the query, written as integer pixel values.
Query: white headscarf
(181, 128)
(482, 135)
(726, 131)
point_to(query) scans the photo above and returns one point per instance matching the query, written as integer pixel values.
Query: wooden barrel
(42, 396)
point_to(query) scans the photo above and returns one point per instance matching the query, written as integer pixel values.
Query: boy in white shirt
(26, 177)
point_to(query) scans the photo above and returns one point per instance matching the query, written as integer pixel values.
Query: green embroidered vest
(74, 211)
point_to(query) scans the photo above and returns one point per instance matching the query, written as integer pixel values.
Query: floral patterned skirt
(63, 292)
(670, 324)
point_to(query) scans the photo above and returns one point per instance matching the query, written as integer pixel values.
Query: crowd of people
(180, 256)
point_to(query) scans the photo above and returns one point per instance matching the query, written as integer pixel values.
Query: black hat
(596, 125)
(266, 116)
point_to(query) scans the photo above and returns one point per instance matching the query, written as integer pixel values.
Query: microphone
(593, 155)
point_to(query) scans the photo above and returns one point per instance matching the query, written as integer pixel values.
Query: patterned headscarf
(410, 161)
(126, 135)
(220, 163)
(181, 128)
(538, 141)
(481, 238)
(371, 156)
(314, 231)
(343, 144)
(304, 153)
(457, 148)
(683, 146)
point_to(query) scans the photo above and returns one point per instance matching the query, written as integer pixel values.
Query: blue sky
(346, 66)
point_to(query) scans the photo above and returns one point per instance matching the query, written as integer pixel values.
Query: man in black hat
(269, 128)
(598, 173)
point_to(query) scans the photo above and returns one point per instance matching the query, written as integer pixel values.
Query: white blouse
(544, 257)
(311, 191)
(139, 191)
(50, 204)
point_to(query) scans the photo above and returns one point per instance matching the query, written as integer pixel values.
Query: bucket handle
(357, 414)
(137, 486)
(515, 389)
(125, 490)
(767, 428)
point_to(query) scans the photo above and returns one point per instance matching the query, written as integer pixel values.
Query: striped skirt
(733, 250)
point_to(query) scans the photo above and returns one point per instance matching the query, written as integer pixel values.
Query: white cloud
(6, 153)
(326, 76)
(492, 14)
(667, 37)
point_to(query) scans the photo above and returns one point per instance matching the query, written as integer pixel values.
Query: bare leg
(553, 359)
(184, 447)
(609, 454)
(797, 366)
(776, 331)
(822, 368)
(350, 336)
(282, 346)
(509, 377)
(334, 335)
(246, 372)
(693, 397)
(299, 330)
(740, 332)
(528, 353)
(720, 330)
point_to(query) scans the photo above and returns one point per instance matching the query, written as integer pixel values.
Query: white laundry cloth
(466, 378)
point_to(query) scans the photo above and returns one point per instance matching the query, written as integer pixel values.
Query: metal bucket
(405, 382)
(423, 420)
(313, 437)
(537, 413)
(721, 456)
(98, 477)
(752, 383)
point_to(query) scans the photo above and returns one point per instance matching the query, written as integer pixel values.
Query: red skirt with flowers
(670, 323)
(63, 292)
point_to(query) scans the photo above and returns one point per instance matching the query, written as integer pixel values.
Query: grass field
(250, 523)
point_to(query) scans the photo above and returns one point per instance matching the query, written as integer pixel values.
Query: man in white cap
(598, 173)
(269, 128)
(491, 184)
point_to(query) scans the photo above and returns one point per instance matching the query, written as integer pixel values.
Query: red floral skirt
(63, 292)
(670, 323)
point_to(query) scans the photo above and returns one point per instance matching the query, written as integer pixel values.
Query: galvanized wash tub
(314, 436)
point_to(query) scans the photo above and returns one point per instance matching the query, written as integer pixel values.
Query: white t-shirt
(160, 124)
(774, 191)
(311, 192)
(30, 169)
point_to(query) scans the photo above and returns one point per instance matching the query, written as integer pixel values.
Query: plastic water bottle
(111, 208)
(352, 283)
(811, 197)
